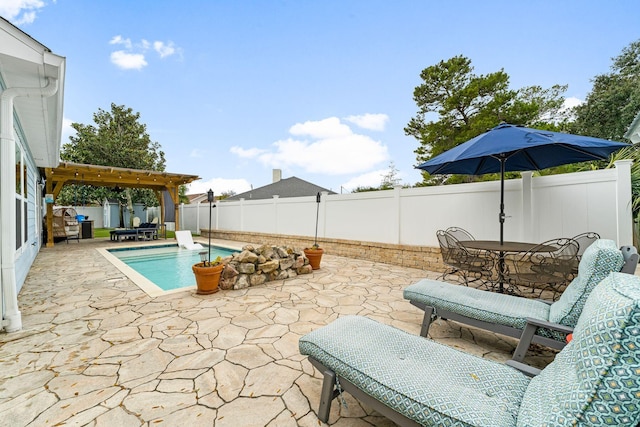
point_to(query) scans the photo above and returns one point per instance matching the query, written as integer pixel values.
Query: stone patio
(95, 350)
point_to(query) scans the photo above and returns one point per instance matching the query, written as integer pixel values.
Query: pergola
(108, 176)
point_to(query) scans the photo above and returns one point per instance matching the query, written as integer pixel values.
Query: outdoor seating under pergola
(109, 176)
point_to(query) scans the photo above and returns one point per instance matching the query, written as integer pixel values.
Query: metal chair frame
(467, 265)
(459, 233)
(584, 240)
(543, 271)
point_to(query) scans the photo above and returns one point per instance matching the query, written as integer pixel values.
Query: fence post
(527, 207)
(623, 203)
(181, 225)
(275, 213)
(395, 217)
(198, 228)
(323, 210)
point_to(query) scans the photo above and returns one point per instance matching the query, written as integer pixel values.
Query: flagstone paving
(95, 350)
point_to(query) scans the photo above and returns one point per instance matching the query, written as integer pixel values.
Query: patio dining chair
(467, 265)
(460, 233)
(543, 271)
(584, 240)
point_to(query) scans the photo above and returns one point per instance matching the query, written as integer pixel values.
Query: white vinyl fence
(537, 209)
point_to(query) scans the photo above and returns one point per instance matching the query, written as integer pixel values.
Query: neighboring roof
(195, 198)
(634, 130)
(26, 64)
(287, 187)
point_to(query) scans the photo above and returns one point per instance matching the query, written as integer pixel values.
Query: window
(21, 198)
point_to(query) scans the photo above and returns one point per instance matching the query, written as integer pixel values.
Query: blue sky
(319, 89)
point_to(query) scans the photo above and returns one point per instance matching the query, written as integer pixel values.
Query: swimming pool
(160, 268)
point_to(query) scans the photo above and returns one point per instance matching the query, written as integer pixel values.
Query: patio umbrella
(509, 148)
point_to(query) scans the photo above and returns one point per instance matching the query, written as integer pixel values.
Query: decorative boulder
(255, 266)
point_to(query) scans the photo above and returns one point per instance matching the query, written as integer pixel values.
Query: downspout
(11, 316)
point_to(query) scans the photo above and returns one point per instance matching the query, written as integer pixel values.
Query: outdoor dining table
(501, 249)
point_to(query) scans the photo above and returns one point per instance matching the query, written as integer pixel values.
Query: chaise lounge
(418, 382)
(529, 320)
(146, 231)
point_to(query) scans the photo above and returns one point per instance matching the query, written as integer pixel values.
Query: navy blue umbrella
(508, 148)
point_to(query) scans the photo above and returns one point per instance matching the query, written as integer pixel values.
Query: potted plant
(314, 253)
(207, 274)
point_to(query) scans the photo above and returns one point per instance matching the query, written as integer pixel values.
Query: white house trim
(31, 103)
(634, 130)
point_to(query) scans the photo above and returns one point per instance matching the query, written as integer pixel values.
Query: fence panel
(536, 209)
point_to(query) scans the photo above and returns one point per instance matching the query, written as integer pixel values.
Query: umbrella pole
(502, 216)
(503, 160)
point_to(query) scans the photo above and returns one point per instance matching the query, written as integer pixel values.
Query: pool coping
(146, 285)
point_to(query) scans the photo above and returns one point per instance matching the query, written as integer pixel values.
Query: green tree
(182, 195)
(226, 194)
(116, 139)
(389, 181)
(455, 105)
(614, 101)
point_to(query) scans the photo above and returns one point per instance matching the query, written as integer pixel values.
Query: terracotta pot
(207, 278)
(315, 256)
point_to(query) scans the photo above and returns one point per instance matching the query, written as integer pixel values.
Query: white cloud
(128, 61)
(67, 130)
(369, 121)
(20, 11)
(326, 128)
(571, 102)
(120, 40)
(333, 149)
(219, 186)
(369, 179)
(164, 49)
(132, 56)
(246, 154)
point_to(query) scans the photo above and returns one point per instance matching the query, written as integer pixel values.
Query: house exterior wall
(26, 253)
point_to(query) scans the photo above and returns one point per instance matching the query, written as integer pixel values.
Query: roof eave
(26, 63)
(633, 133)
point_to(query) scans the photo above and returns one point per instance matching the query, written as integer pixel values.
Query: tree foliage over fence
(614, 101)
(117, 138)
(455, 105)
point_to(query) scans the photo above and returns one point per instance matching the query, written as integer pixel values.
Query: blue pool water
(167, 266)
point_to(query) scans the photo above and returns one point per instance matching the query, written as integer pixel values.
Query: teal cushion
(428, 382)
(595, 379)
(600, 258)
(488, 306)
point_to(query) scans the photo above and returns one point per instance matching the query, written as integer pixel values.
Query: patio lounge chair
(185, 240)
(146, 231)
(527, 319)
(418, 382)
